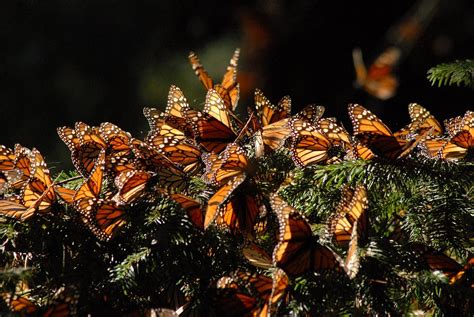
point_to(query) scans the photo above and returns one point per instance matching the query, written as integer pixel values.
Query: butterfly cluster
(224, 153)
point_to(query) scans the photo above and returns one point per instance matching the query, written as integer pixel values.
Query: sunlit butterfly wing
(131, 185)
(65, 194)
(200, 71)
(374, 134)
(163, 124)
(275, 134)
(105, 218)
(220, 197)
(91, 144)
(351, 209)
(231, 162)
(38, 194)
(422, 120)
(335, 132)
(308, 145)
(93, 184)
(23, 164)
(184, 154)
(297, 250)
(117, 140)
(213, 126)
(267, 113)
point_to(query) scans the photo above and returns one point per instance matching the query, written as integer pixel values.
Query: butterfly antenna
(244, 128)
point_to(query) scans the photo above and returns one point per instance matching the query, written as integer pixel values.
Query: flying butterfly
(228, 89)
(298, 250)
(379, 80)
(375, 135)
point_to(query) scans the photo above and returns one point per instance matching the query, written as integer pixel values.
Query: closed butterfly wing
(308, 145)
(267, 113)
(93, 184)
(230, 163)
(374, 134)
(214, 126)
(131, 185)
(200, 71)
(38, 193)
(297, 250)
(220, 197)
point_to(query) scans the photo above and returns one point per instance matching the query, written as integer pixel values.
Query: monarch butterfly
(228, 89)
(23, 165)
(237, 211)
(349, 225)
(378, 80)
(308, 145)
(184, 154)
(38, 194)
(102, 217)
(229, 163)
(267, 113)
(214, 127)
(131, 185)
(274, 120)
(460, 143)
(351, 209)
(163, 124)
(92, 186)
(169, 175)
(85, 144)
(297, 250)
(422, 120)
(117, 140)
(245, 294)
(192, 208)
(375, 135)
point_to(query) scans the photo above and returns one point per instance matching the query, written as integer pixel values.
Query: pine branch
(460, 73)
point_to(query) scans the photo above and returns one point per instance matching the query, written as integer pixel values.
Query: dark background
(68, 60)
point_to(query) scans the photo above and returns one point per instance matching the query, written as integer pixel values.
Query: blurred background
(104, 60)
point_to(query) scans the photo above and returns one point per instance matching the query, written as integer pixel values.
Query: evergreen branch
(460, 73)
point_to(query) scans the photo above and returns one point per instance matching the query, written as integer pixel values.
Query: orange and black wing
(308, 145)
(297, 250)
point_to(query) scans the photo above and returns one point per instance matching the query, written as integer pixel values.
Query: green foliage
(460, 73)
